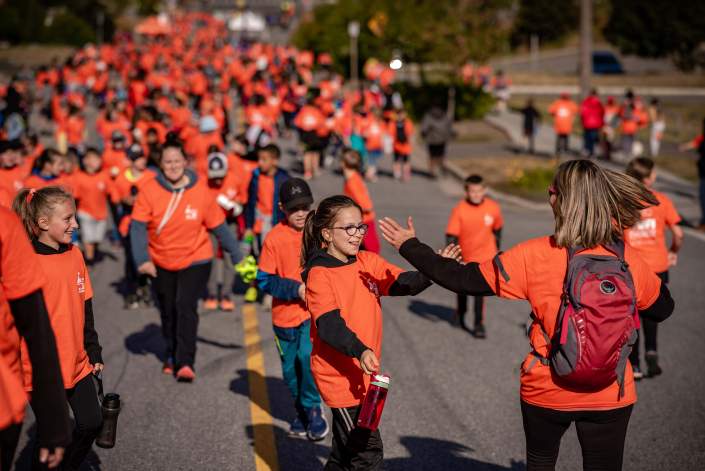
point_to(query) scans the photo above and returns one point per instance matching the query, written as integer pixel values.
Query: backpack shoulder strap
(572, 252)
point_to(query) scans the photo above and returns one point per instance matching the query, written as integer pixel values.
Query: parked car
(604, 62)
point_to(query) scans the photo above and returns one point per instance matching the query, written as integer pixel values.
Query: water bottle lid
(380, 380)
(111, 401)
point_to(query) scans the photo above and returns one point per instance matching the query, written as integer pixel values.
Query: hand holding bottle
(369, 363)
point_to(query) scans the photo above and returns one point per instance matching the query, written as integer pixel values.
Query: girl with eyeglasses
(343, 289)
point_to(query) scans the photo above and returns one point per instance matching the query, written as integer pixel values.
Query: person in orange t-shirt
(648, 237)
(12, 174)
(23, 314)
(563, 110)
(309, 120)
(373, 132)
(476, 226)
(343, 289)
(47, 171)
(279, 275)
(356, 189)
(227, 191)
(92, 187)
(535, 271)
(123, 194)
(76, 133)
(169, 235)
(49, 214)
(401, 129)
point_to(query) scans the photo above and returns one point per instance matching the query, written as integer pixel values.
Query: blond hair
(594, 205)
(41, 203)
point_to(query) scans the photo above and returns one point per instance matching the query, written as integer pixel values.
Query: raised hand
(394, 233)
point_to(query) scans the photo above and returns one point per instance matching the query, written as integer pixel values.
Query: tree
(21, 21)
(551, 20)
(443, 31)
(659, 28)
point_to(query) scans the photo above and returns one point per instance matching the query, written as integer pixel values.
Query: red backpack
(597, 321)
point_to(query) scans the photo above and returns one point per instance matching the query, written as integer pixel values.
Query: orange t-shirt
(33, 181)
(265, 194)
(474, 227)
(12, 179)
(122, 187)
(356, 189)
(198, 145)
(65, 293)
(231, 188)
(355, 290)
(184, 238)
(403, 148)
(92, 192)
(563, 112)
(373, 132)
(280, 256)
(6, 197)
(74, 130)
(309, 118)
(536, 271)
(20, 275)
(648, 237)
(115, 159)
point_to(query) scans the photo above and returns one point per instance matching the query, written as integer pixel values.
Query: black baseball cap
(294, 192)
(134, 152)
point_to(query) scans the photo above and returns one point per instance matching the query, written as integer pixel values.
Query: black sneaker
(132, 302)
(479, 332)
(146, 296)
(654, 366)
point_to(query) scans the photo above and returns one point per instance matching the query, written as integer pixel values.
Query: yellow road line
(263, 432)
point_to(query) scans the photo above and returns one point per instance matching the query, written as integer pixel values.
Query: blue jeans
(373, 156)
(591, 136)
(294, 344)
(702, 201)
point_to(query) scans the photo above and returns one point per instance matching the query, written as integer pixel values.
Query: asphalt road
(454, 400)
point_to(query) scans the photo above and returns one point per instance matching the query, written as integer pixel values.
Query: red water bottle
(374, 402)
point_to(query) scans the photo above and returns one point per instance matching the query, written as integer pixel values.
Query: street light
(395, 64)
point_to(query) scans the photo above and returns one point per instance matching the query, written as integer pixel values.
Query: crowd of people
(182, 172)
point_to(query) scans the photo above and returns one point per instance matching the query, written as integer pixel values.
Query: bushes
(67, 28)
(470, 101)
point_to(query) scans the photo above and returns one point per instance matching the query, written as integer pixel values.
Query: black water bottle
(110, 409)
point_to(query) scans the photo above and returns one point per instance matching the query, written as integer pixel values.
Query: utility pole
(353, 32)
(585, 46)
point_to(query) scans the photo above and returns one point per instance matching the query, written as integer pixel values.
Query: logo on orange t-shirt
(191, 213)
(81, 283)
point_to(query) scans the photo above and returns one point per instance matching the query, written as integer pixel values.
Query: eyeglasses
(552, 191)
(352, 230)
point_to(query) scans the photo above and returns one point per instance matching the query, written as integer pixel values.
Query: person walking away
(630, 118)
(343, 289)
(610, 116)
(49, 215)
(437, 131)
(123, 194)
(648, 237)
(25, 316)
(279, 275)
(592, 117)
(476, 226)
(373, 132)
(92, 190)
(563, 111)
(260, 212)
(356, 189)
(309, 121)
(699, 144)
(225, 188)
(401, 129)
(532, 119)
(658, 126)
(586, 199)
(169, 237)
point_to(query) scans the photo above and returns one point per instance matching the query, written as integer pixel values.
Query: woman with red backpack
(585, 286)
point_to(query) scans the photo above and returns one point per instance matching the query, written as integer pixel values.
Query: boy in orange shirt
(401, 130)
(279, 275)
(563, 111)
(92, 187)
(648, 237)
(356, 189)
(260, 213)
(476, 226)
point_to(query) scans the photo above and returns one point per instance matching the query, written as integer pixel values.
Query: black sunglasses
(352, 230)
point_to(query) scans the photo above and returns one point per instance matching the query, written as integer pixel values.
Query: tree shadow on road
(432, 312)
(430, 454)
(23, 460)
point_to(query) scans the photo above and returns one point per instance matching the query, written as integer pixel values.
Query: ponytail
(322, 218)
(30, 204)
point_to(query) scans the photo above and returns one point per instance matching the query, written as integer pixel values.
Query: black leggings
(479, 307)
(9, 437)
(601, 434)
(649, 329)
(89, 420)
(178, 293)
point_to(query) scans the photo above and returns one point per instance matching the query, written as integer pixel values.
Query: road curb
(460, 175)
